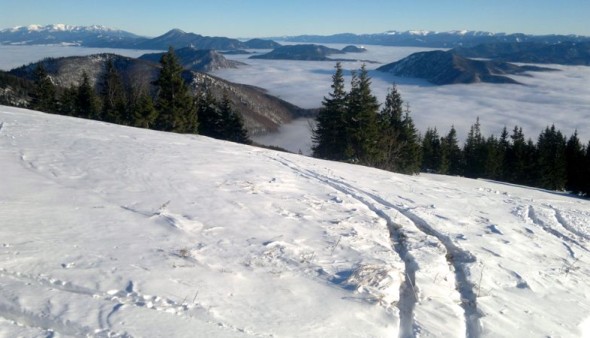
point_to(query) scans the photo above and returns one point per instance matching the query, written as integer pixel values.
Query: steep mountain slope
(442, 68)
(113, 231)
(262, 112)
(202, 60)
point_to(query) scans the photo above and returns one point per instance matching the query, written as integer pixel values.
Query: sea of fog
(561, 98)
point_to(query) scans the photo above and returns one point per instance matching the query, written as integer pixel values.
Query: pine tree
(87, 102)
(551, 159)
(361, 120)
(233, 125)
(175, 106)
(431, 151)
(43, 97)
(329, 135)
(114, 101)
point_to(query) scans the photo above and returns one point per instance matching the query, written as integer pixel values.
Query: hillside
(201, 60)
(443, 68)
(111, 231)
(262, 112)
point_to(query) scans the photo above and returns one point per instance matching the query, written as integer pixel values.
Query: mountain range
(432, 39)
(100, 36)
(104, 37)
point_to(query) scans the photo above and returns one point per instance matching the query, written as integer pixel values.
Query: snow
(112, 231)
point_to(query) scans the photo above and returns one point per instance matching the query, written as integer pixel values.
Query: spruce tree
(361, 121)
(451, 161)
(175, 106)
(329, 134)
(143, 111)
(390, 130)
(87, 102)
(493, 158)
(43, 97)
(210, 121)
(586, 172)
(114, 101)
(474, 152)
(551, 159)
(431, 151)
(575, 164)
(411, 158)
(67, 101)
(232, 124)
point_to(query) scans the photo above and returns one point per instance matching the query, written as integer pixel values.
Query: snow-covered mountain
(88, 36)
(100, 36)
(434, 39)
(111, 231)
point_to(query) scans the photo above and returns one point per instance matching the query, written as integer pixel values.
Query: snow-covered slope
(111, 231)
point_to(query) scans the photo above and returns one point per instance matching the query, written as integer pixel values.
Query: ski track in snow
(456, 257)
(533, 217)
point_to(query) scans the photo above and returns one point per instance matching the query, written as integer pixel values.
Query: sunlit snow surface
(111, 231)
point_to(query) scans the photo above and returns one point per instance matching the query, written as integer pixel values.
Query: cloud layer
(561, 98)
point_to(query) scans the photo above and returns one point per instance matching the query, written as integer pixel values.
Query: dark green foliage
(44, 95)
(219, 120)
(361, 121)
(329, 135)
(412, 154)
(87, 104)
(392, 143)
(431, 151)
(143, 111)
(576, 165)
(551, 161)
(114, 101)
(233, 125)
(474, 152)
(210, 122)
(177, 112)
(67, 101)
(451, 157)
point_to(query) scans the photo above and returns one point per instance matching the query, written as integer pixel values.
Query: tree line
(352, 127)
(173, 108)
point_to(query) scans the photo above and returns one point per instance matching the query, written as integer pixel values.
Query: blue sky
(260, 18)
